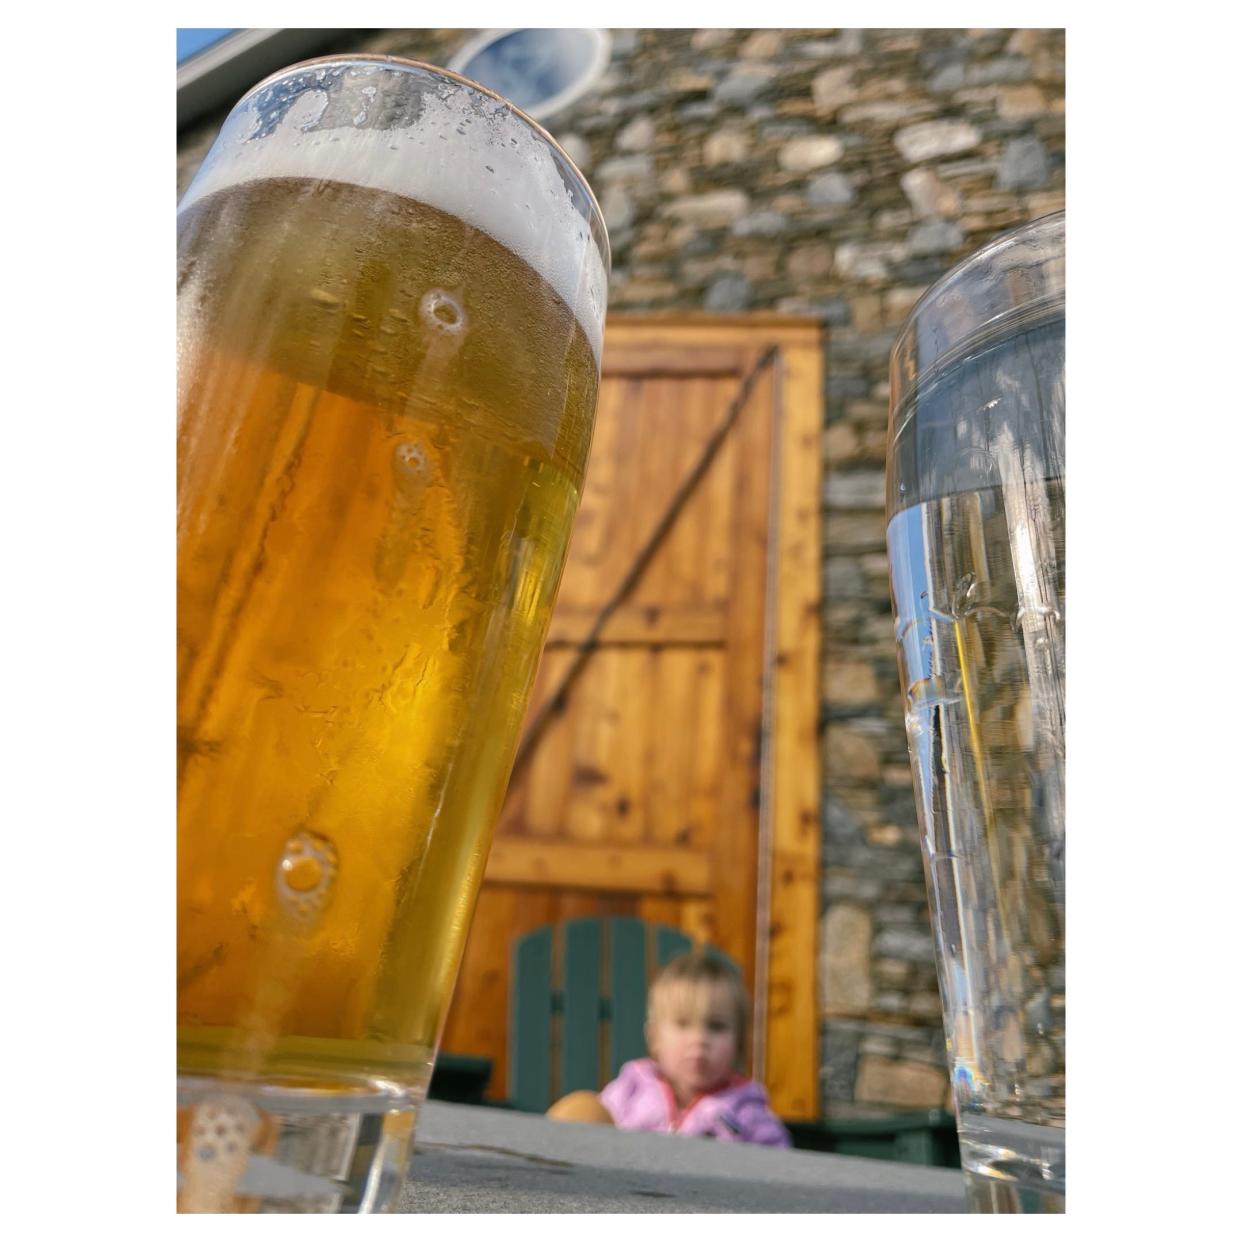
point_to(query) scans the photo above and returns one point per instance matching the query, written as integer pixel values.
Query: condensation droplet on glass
(305, 874)
(442, 312)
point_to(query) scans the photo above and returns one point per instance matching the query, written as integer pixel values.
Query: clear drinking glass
(976, 541)
(391, 290)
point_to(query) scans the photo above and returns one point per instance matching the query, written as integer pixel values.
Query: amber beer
(387, 378)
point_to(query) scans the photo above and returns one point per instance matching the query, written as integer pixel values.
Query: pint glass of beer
(391, 289)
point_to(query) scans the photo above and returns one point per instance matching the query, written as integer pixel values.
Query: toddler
(691, 1084)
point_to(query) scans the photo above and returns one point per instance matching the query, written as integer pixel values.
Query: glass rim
(970, 300)
(985, 252)
(406, 62)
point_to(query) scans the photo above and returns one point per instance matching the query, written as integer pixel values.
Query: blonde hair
(682, 982)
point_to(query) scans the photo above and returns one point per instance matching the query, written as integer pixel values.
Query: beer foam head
(413, 131)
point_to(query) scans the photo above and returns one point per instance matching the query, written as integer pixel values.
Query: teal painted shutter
(530, 1065)
(580, 1020)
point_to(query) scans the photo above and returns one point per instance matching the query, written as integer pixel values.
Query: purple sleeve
(760, 1125)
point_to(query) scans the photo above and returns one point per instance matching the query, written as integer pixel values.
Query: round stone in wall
(935, 237)
(725, 146)
(804, 154)
(762, 45)
(830, 189)
(1023, 164)
(730, 291)
(760, 224)
(833, 87)
(638, 135)
(928, 195)
(929, 140)
(743, 86)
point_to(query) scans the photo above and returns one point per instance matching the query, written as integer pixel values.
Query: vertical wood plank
(793, 1010)
(733, 846)
(596, 713)
(636, 707)
(538, 798)
(674, 731)
(660, 471)
(709, 759)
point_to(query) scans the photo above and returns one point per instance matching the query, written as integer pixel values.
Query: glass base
(1012, 1166)
(256, 1147)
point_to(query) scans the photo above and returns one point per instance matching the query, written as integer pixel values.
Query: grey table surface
(478, 1159)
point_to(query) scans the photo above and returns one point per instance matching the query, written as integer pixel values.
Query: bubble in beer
(410, 461)
(305, 875)
(442, 312)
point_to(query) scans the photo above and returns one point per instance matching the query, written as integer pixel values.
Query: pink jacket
(640, 1098)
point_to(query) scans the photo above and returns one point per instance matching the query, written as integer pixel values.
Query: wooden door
(676, 775)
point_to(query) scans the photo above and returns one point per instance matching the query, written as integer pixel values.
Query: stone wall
(836, 173)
